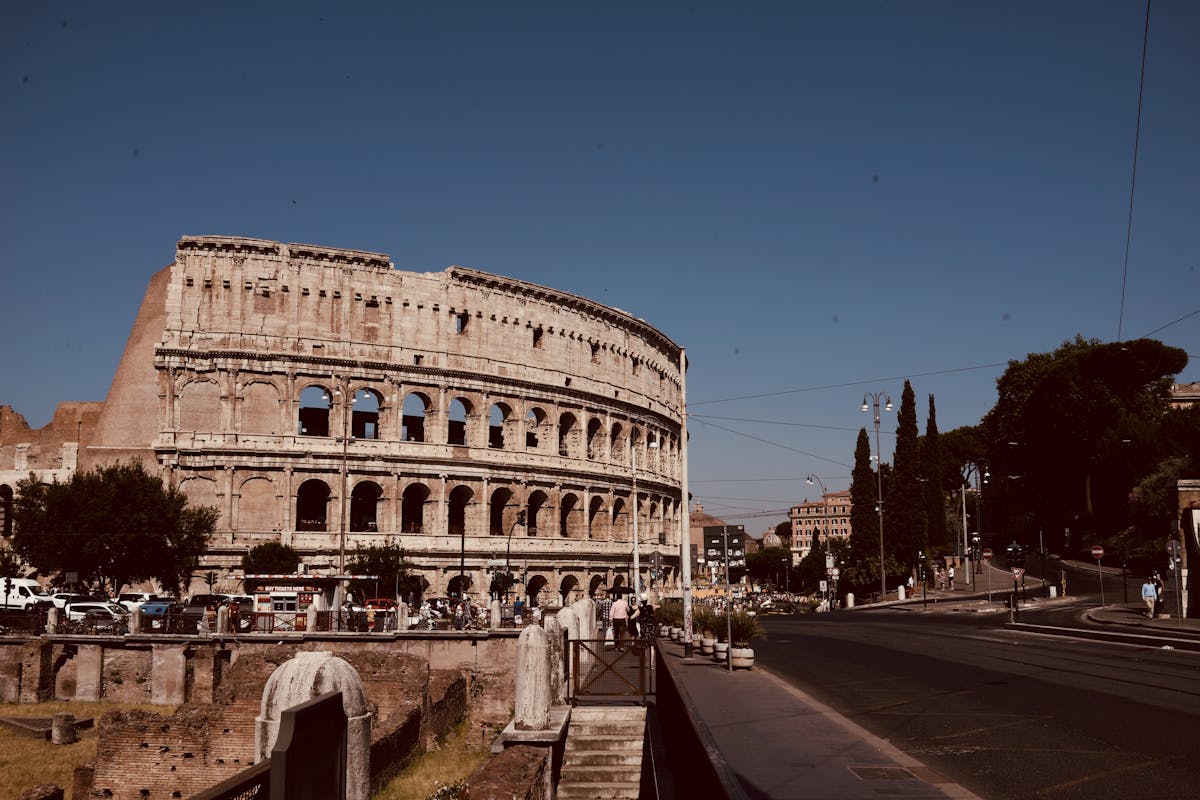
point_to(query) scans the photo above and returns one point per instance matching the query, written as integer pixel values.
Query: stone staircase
(603, 757)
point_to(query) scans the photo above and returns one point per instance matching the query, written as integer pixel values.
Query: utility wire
(849, 383)
(777, 422)
(1133, 177)
(1169, 324)
(773, 444)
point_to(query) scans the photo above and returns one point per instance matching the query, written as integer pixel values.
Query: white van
(24, 594)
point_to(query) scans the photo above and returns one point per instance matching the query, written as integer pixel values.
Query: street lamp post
(637, 562)
(341, 392)
(824, 507)
(875, 398)
(520, 520)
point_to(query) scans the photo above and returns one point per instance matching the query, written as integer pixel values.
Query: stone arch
(312, 505)
(597, 524)
(595, 438)
(499, 420)
(458, 585)
(569, 517)
(412, 508)
(538, 502)
(595, 584)
(199, 405)
(565, 587)
(456, 511)
(413, 413)
(457, 415)
(199, 490)
(534, 587)
(260, 408)
(258, 505)
(619, 526)
(364, 423)
(616, 444)
(535, 420)
(364, 506)
(501, 512)
(568, 433)
(313, 417)
(307, 676)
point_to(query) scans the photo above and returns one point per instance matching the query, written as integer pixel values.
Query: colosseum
(321, 398)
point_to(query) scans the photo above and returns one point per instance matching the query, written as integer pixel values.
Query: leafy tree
(904, 511)
(1074, 430)
(769, 564)
(271, 558)
(388, 562)
(10, 564)
(932, 476)
(113, 525)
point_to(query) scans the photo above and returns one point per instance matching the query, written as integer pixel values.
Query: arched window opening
(500, 515)
(314, 411)
(412, 508)
(364, 423)
(6, 510)
(654, 528)
(412, 427)
(537, 503)
(596, 527)
(616, 444)
(620, 520)
(534, 588)
(312, 505)
(364, 501)
(596, 583)
(456, 433)
(565, 588)
(533, 422)
(567, 431)
(635, 447)
(594, 438)
(460, 498)
(651, 451)
(497, 417)
(199, 405)
(567, 512)
(458, 586)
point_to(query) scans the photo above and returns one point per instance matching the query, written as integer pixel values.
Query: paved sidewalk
(782, 744)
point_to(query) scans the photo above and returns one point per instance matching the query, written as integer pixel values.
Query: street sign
(1173, 547)
(1018, 573)
(987, 554)
(1097, 552)
(495, 563)
(836, 572)
(824, 586)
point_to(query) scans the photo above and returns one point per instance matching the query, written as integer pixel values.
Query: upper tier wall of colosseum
(343, 307)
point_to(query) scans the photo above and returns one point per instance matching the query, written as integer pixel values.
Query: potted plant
(703, 620)
(744, 627)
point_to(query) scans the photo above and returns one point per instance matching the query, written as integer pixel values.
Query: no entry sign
(1097, 552)
(987, 554)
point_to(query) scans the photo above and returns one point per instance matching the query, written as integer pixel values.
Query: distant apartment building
(827, 517)
(1184, 395)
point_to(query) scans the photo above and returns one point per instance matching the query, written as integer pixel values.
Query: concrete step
(617, 774)
(616, 731)
(593, 758)
(608, 712)
(597, 791)
(618, 743)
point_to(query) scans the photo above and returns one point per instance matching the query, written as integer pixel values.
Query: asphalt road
(1006, 714)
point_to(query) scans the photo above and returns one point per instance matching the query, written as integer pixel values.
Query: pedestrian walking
(1158, 593)
(620, 620)
(646, 622)
(1149, 596)
(950, 577)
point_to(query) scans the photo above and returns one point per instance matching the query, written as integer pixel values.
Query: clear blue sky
(803, 194)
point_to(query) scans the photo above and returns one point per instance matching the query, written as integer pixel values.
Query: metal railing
(598, 668)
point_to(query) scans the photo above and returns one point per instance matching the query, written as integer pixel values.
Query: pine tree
(935, 494)
(904, 508)
(864, 519)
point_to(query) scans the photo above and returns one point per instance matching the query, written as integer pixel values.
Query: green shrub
(744, 628)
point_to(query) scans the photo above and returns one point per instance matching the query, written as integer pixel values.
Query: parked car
(105, 620)
(131, 600)
(381, 604)
(76, 612)
(25, 594)
(63, 599)
(199, 602)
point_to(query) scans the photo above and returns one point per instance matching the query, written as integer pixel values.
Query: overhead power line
(1169, 324)
(778, 422)
(1137, 136)
(774, 444)
(849, 383)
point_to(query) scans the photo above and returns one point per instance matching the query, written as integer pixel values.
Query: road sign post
(1173, 550)
(1098, 553)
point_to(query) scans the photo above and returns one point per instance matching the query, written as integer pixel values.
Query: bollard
(494, 614)
(223, 620)
(532, 707)
(849, 599)
(62, 730)
(52, 620)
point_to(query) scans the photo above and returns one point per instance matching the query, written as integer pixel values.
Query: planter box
(743, 657)
(706, 646)
(719, 651)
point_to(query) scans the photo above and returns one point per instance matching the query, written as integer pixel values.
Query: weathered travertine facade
(322, 398)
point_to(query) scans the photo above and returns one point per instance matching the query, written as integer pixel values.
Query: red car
(380, 604)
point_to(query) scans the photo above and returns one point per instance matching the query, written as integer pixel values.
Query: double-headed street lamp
(875, 398)
(810, 480)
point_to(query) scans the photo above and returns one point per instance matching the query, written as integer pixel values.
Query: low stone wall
(520, 772)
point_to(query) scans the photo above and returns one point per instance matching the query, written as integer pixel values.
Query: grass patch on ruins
(27, 761)
(454, 761)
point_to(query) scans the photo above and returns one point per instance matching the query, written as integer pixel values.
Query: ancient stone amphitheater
(322, 398)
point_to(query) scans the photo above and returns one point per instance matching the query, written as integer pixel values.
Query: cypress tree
(904, 509)
(935, 492)
(864, 520)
